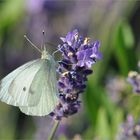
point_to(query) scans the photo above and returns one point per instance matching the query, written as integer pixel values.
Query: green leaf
(10, 12)
(127, 35)
(117, 119)
(123, 39)
(102, 128)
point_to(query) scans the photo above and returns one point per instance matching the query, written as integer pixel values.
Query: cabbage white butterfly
(32, 87)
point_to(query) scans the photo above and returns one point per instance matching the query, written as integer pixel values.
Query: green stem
(55, 126)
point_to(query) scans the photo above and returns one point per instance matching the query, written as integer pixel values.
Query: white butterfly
(32, 87)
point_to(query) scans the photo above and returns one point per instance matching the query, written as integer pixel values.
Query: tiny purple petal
(85, 58)
(70, 37)
(89, 64)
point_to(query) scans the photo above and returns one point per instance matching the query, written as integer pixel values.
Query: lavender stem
(52, 134)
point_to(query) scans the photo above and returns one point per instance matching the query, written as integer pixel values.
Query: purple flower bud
(134, 80)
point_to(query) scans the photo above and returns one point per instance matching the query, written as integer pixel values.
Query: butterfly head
(44, 54)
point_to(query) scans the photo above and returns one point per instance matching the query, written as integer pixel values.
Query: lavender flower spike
(79, 54)
(134, 80)
(130, 130)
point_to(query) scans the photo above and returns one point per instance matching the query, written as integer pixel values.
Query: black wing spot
(24, 88)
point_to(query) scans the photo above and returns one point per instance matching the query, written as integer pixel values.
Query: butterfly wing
(20, 86)
(45, 84)
(6, 82)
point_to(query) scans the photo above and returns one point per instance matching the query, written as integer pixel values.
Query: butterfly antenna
(43, 41)
(33, 45)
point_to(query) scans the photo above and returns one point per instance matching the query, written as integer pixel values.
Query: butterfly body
(32, 87)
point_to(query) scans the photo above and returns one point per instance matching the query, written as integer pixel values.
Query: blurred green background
(108, 98)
